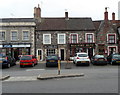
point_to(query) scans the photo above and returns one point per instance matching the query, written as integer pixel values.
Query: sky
(56, 8)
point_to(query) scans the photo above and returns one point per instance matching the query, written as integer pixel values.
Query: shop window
(25, 35)
(14, 35)
(61, 39)
(2, 36)
(46, 38)
(50, 52)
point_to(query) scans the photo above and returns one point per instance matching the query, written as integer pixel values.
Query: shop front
(15, 50)
(82, 47)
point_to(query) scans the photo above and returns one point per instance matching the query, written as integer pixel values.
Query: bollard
(58, 67)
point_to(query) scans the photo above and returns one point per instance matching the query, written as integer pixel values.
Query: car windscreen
(82, 55)
(52, 57)
(116, 57)
(25, 58)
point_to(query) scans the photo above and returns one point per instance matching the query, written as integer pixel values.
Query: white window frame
(11, 35)
(28, 35)
(86, 37)
(71, 38)
(64, 38)
(108, 37)
(5, 34)
(44, 39)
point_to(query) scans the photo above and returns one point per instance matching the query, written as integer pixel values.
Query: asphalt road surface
(97, 79)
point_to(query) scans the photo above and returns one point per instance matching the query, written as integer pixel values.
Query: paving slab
(53, 76)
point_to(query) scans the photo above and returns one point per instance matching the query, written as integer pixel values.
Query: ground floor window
(15, 52)
(50, 52)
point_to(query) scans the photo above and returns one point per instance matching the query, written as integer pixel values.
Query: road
(97, 79)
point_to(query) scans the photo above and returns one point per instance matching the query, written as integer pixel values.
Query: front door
(62, 54)
(90, 52)
(39, 55)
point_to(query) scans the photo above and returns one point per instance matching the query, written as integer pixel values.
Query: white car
(81, 59)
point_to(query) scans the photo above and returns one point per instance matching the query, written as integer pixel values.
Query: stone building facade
(17, 36)
(63, 36)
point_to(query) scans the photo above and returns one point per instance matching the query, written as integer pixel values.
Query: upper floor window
(14, 35)
(111, 38)
(61, 39)
(2, 35)
(73, 38)
(25, 35)
(46, 38)
(89, 37)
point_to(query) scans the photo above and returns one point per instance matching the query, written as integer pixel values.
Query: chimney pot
(66, 15)
(106, 15)
(113, 16)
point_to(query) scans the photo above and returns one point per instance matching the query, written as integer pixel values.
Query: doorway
(62, 54)
(40, 55)
(90, 52)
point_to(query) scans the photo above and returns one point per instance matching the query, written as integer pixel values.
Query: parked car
(28, 60)
(114, 59)
(81, 59)
(71, 58)
(52, 60)
(99, 60)
(7, 61)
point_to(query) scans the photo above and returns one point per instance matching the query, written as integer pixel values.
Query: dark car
(7, 61)
(114, 59)
(28, 60)
(99, 60)
(52, 60)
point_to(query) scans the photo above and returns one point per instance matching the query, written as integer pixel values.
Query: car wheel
(111, 63)
(46, 65)
(21, 66)
(8, 65)
(73, 62)
(33, 65)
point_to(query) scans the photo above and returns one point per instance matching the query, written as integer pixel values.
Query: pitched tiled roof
(63, 24)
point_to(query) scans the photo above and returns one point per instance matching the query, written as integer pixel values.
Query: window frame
(5, 35)
(86, 38)
(44, 39)
(16, 35)
(23, 35)
(63, 34)
(108, 38)
(71, 39)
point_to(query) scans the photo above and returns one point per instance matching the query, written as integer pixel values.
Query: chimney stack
(106, 15)
(66, 16)
(113, 16)
(37, 12)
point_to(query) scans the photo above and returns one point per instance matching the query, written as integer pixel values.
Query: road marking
(22, 78)
(35, 69)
